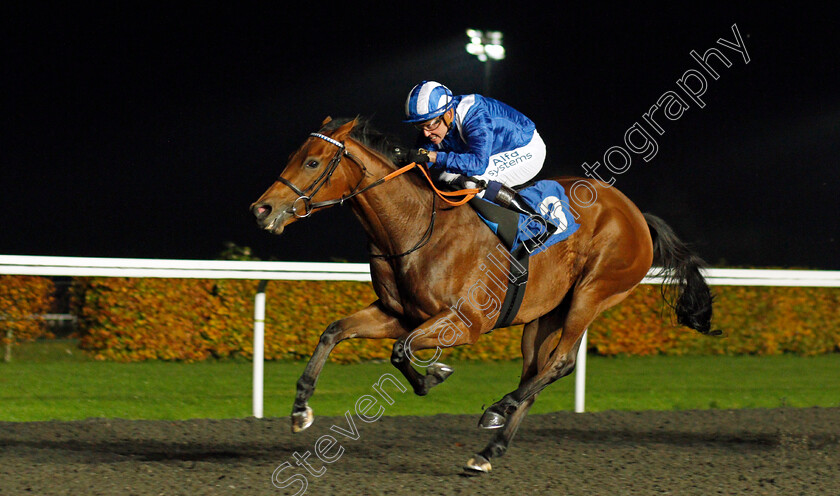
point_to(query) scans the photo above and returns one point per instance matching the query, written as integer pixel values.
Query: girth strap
(515, 290)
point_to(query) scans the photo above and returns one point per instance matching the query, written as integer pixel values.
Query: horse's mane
(377, 141)
(366, 134)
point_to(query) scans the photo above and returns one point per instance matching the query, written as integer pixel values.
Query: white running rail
(323, 271)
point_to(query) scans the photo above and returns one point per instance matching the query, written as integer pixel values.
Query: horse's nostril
(261, 211)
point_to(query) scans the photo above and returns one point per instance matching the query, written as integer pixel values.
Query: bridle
(305, 195)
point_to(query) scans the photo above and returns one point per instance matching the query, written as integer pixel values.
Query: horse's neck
(395, 215)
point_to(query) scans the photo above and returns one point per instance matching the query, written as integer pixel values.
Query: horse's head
(312, 179)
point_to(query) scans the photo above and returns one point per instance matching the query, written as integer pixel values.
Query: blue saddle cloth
(549, 199)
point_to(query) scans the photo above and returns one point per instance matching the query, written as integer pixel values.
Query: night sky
(147, 132)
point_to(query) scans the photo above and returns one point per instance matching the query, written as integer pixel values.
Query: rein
(325, 176)
(305, 196)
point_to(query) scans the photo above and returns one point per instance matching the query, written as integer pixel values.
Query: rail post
(259, 347)
(7, 356)
(580, 374)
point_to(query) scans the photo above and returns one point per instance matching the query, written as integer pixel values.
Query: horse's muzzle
(270, 218)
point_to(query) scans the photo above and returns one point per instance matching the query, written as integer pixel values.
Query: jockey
(475, 141)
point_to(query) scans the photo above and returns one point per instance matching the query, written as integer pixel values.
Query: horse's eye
(312, 164)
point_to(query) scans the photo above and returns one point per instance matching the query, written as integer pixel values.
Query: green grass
(54, 380)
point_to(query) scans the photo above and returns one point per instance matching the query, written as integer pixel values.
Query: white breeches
(512, 168)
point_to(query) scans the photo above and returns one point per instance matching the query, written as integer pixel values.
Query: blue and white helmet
(426, 101)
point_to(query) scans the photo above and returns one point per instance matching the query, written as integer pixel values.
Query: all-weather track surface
(707, 452)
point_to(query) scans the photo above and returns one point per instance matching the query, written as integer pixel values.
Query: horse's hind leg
(533, 334)
(498, 446)
(556, 354)
(370, 323)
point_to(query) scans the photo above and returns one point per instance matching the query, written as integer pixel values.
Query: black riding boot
(510, 199)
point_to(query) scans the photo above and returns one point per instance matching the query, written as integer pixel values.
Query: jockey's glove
(469, 182)
(404, 156)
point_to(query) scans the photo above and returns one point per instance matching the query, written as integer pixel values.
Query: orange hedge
(167, 319)
(756, 320)
(175, 319)
(22, 299)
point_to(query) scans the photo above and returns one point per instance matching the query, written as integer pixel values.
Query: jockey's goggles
(430, 125)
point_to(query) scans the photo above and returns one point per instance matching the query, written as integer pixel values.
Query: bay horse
(427, 261)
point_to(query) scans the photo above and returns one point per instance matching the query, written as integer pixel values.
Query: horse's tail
(684, 288)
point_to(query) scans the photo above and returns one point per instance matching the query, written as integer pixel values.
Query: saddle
(519, 234)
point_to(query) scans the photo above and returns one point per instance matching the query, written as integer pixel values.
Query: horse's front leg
(370, 323)
(436, 333)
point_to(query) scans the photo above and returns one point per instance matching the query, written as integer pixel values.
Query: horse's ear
(344, 130)
(326, 121)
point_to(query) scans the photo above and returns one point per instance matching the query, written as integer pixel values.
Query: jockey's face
(435, 130)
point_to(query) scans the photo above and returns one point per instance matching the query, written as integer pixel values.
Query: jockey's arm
(478, 132)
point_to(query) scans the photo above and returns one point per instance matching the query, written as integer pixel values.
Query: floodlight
(485, 45)
(495, 52)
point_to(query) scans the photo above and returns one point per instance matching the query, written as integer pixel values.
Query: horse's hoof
(478, 465)
(491, 420)
(439, 370)
(302, 420)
